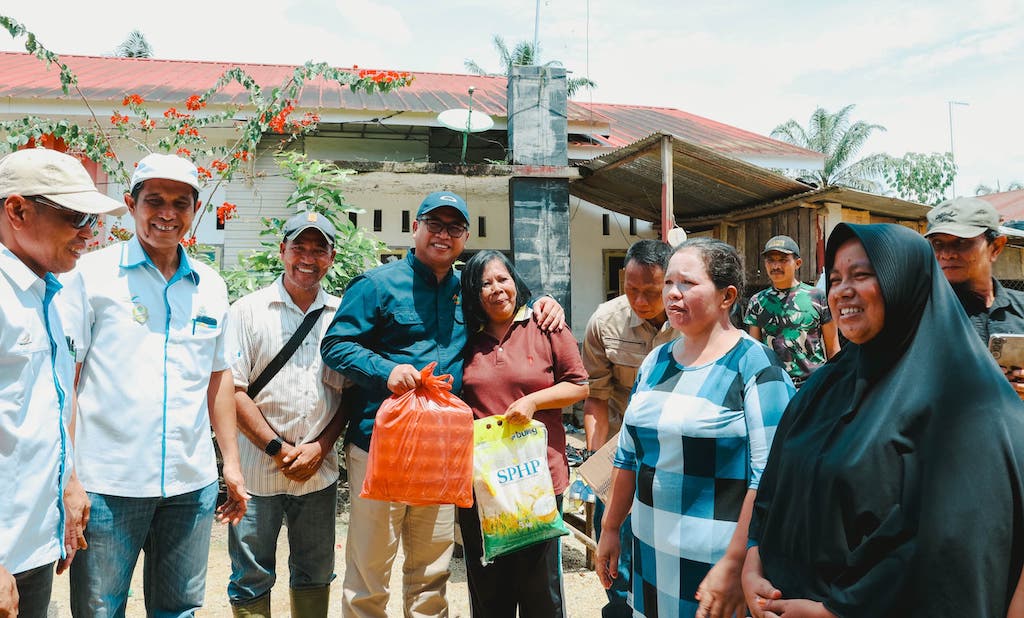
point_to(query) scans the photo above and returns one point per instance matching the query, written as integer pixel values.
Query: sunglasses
(80, 220)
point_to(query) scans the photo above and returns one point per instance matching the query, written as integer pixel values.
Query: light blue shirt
(36, 380)
(147, 347)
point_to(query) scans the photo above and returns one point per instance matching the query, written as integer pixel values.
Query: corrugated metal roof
(24, 76)
(1010, 204)
(104, 78)
(630, 123)
(704, 182)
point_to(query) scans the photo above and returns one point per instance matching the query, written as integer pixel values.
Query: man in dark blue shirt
(964, 233)
(392, 321)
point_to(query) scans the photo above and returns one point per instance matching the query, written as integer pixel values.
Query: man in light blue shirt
(49, 208)
(154, 376)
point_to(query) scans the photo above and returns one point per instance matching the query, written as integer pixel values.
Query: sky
(751, 64)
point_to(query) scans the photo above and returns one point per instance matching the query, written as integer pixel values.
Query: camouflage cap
(965, 217)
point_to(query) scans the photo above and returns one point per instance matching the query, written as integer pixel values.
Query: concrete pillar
(539, 207)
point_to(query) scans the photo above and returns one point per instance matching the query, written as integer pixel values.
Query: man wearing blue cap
(154, 376)
(392, 321)
(288, 413)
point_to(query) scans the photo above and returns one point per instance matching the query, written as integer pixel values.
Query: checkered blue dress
(697, 439)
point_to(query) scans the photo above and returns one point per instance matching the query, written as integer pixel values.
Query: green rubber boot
(257, 608)
(310, 602)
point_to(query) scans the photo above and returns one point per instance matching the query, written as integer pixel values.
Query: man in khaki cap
(964, 233)
(49, 208)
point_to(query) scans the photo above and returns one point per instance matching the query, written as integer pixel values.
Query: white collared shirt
(147, 347)
(36, 383)
(301, 399)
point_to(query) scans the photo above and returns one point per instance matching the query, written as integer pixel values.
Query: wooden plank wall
(798, 223)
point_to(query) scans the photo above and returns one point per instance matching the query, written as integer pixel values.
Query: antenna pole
(469, 118)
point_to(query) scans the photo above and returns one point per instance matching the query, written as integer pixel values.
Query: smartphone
(1007, 349)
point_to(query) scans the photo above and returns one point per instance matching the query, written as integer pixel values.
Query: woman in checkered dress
(694, 441)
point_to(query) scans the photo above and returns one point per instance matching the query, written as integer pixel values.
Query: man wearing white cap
(965, 236)
(154, 375)
(50, 206)
(288, 412)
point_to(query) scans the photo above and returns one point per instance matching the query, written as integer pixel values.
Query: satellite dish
(466, 120)
(676, 235)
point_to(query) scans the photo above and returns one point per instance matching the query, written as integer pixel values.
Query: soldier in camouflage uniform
(791, 317)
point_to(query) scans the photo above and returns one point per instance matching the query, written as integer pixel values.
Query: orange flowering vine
(132, 99)
(194, 103)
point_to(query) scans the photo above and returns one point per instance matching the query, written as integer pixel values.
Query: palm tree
(523, 53)
(135, 46)
(839, 139)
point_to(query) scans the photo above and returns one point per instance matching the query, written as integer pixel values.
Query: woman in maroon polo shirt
(514, 368)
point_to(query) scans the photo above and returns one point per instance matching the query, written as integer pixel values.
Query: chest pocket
(625, 356)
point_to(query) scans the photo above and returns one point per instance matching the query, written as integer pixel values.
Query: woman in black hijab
(895, 485)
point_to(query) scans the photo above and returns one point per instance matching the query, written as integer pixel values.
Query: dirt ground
(584, 595)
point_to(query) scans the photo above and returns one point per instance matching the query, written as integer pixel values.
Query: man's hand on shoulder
(403, 378)
(549, 314)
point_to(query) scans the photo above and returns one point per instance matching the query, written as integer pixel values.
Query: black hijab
(895, 484)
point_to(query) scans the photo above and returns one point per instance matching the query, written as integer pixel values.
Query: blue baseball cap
(439, 199)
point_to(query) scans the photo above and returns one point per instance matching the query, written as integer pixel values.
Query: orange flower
(241, 155)
(109, 154)
(219, 165)
(188, 242)
(195, 103)
(132, 99)
(147, 124)
(204, 173)
(118, 119)
(184, 152)
(226, 211)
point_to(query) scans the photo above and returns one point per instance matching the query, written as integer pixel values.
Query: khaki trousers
(374, 530)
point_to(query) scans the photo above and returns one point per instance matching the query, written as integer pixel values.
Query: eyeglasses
(455, 230)
(80, 220)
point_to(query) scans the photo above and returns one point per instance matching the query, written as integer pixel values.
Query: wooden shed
(718, 196)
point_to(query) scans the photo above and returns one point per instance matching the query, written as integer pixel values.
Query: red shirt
(525, 361)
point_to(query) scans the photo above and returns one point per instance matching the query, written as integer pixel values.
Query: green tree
(984, 189)
(317, 188)
(839, 139)
(921, 177)
(135, 46)
(523, 53)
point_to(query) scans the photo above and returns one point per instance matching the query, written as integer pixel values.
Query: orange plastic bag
(421, 451)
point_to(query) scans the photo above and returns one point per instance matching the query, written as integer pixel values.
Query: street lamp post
(952, 154)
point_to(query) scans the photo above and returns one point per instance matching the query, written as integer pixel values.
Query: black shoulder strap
(286, 352)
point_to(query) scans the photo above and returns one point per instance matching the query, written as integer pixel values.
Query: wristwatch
(273, 447)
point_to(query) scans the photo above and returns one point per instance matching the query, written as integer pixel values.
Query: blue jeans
(174, 532)
(617, 606)
(252, 544)
(34, 588)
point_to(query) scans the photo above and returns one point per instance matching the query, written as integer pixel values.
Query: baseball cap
(309, 219)
(56, 176)
(965, 217)
(166, 167)
(785, 244)
(437, 199)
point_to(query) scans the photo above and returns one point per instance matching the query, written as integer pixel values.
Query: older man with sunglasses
(50, 206)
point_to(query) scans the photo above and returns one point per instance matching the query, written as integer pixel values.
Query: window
(377, 216)
(405, 220)
(481, 227)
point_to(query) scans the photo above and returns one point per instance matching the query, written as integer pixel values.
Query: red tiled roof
(630, 123)
(1009, 204)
